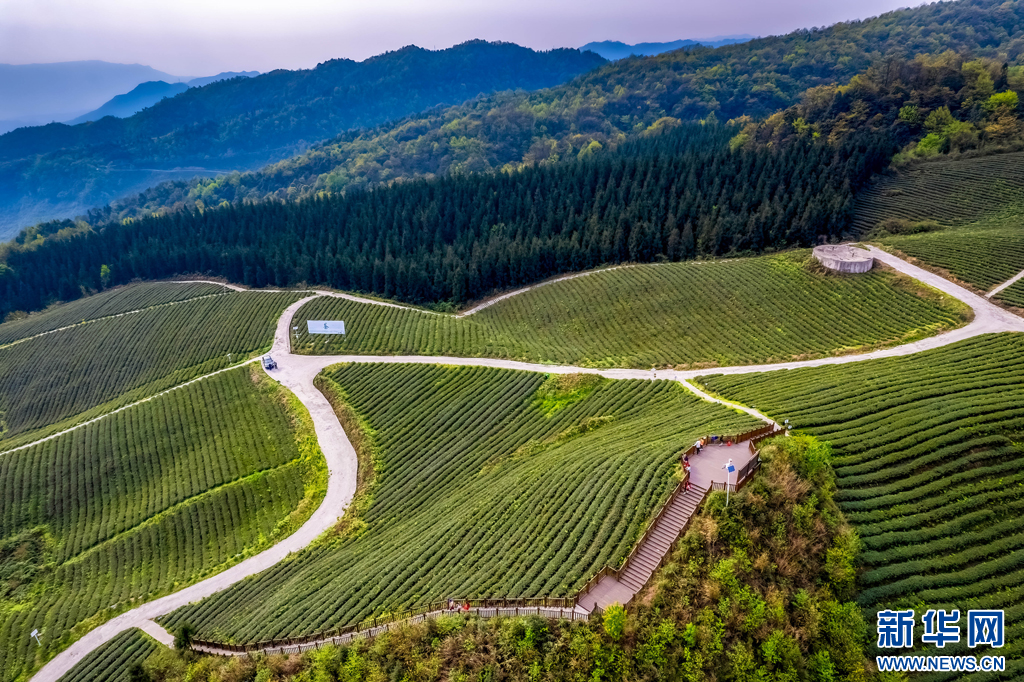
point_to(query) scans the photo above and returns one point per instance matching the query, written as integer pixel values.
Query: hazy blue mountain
(62, 170)
(613, 49)
(35, 94)
(222, 76)
(147, 94)
(142, 96)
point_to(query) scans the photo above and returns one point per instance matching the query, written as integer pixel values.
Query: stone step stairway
(648, 556)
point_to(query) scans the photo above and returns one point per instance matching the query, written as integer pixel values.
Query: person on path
(451, 604)
(465, 607)
(698, 446)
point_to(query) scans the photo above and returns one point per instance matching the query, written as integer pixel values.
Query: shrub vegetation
(758, 590)
(950, 191)
(983, 254)
(114, 661)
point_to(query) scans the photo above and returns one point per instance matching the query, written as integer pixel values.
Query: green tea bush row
(57, 376)
(953, 192)
(928, 463)
(939, 478)
(112, 661)
(113, 302)
(481, 491)
(148, 500)
(1013, 294)
(774, 309)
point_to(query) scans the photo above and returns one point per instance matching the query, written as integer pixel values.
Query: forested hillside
(675, 196)
(605, 107)
(59, 170)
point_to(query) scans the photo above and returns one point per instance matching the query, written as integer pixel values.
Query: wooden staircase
(623, 584)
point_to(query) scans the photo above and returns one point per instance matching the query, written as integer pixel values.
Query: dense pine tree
(674, 196)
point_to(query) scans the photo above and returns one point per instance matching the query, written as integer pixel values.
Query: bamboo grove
(677, 195)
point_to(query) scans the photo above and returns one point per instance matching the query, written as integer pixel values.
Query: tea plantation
(144, 502)
(487, 483)
(740, 312)
(1013, 294)
(929, 459)
(94, 367)
(113, 661)
(984, 253)
(953, 192)
(113, 302)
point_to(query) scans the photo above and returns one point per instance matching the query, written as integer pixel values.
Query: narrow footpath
(296, 372)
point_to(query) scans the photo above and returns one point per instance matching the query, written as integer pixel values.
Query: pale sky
(202, 37)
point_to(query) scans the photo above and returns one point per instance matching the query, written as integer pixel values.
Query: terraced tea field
(960, 191)
(146, 501)
(113, 661)
(489, 482)
(984, 253)
(1013, 294)
(929, 455)
(114, 302)
(740, 312)
(47, 380)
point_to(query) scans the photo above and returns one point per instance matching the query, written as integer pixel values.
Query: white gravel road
(296, 372)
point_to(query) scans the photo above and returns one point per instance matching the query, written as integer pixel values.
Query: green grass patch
(561, 390)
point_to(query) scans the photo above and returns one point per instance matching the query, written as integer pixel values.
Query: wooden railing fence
(617, 572)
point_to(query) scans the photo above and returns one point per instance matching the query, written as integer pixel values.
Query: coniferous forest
(678, 195)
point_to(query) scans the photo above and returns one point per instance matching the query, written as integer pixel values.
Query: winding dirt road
(296, 372)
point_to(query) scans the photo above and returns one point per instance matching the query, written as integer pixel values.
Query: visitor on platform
(465, 607)
(698, 446)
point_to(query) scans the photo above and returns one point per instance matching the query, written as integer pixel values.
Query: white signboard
(325, 327)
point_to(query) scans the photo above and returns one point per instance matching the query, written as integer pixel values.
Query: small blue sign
(730, 468)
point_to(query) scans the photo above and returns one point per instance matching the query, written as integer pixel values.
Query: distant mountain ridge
(614, 49)
(36, 94)
(149, 93)
(59, 170)
(599, 109)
